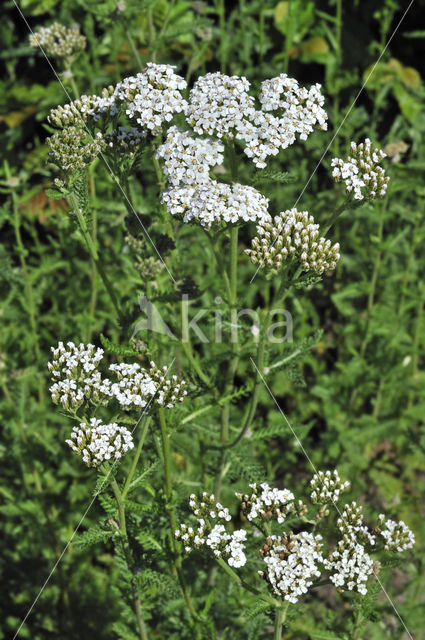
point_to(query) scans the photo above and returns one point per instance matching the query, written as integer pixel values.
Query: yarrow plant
(295, 561)
(201, 142)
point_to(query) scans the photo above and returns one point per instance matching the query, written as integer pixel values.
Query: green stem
(187, 345)
(144, 426)
(280, 621)
(357, 625)
(134, 49)
(126, 546)
(370, 304)
(93, 272)
(220, 8)
(288, 38)
(233, 265)
(241, 583)
(177, 559)
(93, 252)
(29, 292)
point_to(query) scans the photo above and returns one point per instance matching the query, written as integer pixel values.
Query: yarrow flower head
(363, 176)
(292, 563)
(326, 486)
(219, 105)
(187, 159)
(169, 389)
(213, 536)
(73, 149)
(397, 535)
(153, 96)
(77, 379)
(74, 370)
(351, 525)
(59, 41)
(96, 442)
(86, 109)
(214, 202)
(350, 566)
(267, 502)
(292, 235)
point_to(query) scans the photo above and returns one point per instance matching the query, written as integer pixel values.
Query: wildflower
(267, 502)
(74, 370)
(292, 236)
(187, 159)
(213, 202)
(97, 442)
(292, 563)
(362, 175)
(350, 565)
(169, 389)
(397, 535)
(219, 105)
(214, 537)
(59, 41)
(135, 387)
(86, 109)
(73, 149)
(153, 96)
(352, 526)
(327, 486)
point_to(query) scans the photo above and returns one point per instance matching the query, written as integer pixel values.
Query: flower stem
(144, 426)
(93, 252)
(127, 553)
(280, 620)
(241, 583)
(177, 560)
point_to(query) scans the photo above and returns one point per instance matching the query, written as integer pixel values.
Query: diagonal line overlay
(55, 566)
(315, 471)
(114, 177)
(346, 116)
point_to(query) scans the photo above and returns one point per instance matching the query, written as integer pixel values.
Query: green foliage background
(351, 383)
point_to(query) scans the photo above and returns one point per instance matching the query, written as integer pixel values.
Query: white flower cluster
(351, 524)
(267, 502)
(292, 235)
(397, 535)
(77, 379)
(292, 563)
(214, 202)
(362, 175)
(295, 561)
(97, 442)
(221, 105)
(350, 566)
(153, 96)
(187, 160)
(169, 389)
(59, 41)
(135, 387)
(327, 486)
(229, 545)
